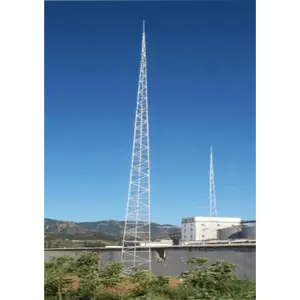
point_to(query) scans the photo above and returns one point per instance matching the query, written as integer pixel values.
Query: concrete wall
(242, 256)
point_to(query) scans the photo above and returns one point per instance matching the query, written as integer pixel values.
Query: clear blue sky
(201, 80)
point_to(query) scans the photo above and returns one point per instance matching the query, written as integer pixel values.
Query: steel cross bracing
(212, 189)
(137, 231)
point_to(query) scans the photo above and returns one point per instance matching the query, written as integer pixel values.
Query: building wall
(188, 231)
(205, 228)
(229, 233)
(174, 262)
(160, 243)
(248, 232)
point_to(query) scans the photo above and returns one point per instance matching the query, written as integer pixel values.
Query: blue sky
(201, 81)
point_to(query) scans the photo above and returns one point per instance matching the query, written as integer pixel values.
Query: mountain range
(109, 228)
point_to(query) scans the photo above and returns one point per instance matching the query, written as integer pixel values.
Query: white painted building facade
(204, 228)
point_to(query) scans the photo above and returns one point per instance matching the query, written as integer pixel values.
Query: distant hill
(107, 229)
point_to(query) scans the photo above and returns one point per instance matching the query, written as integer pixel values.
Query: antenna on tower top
(143, 26)
(212, 189)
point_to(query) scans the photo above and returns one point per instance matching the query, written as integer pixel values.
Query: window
(203, 235)
(191, 236)
(218, 224)
(184, 230)
(203, 224)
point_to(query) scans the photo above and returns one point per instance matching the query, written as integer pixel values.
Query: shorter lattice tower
(212, 188)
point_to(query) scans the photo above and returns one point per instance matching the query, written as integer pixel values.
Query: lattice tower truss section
(136, 251)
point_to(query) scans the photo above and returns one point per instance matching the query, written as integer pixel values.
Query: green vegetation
(90, 239)
(107, 228)
(96, 239)
(79, 278)
(66, 234)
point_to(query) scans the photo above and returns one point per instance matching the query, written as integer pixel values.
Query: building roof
(210, 219)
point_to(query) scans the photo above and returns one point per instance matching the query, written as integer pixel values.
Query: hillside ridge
(112, 228)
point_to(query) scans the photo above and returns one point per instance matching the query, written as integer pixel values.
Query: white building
(204, 228)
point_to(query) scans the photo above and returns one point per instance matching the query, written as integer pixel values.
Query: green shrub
(203, 281)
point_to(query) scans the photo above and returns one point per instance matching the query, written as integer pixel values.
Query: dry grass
(174, 282)
(73, 281)
(127, 286)
(121, 288)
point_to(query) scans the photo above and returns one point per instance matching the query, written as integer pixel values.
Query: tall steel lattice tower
(212, 188)
(137, 230)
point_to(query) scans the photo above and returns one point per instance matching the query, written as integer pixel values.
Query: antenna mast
(137, 230)
(212, 189)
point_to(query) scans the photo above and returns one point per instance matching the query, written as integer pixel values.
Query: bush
(79, 278)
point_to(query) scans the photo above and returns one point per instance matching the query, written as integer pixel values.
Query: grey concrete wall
(244, 257)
